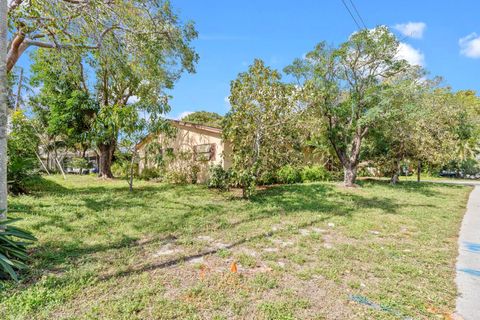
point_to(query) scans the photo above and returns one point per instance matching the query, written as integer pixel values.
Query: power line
(358, 14)
(351, 14)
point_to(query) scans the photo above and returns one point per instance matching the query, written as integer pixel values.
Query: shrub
(315, 173)
(289, 174)
(267, 178)
(194, 171)
(22, 162)
(218, 177)
(80, 163)
(13, 249)
(119, 169)
(149, 173)
(177, 177)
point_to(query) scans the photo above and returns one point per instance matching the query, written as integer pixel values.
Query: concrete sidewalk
(468, 261)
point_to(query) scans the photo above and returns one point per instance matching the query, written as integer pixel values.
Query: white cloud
(470, 45)
(183, 115)
(411, 29)
(409, 53)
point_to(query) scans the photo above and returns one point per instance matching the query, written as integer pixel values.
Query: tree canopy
(260, 124)
(204, 117)
(343, 86)
(143, 51)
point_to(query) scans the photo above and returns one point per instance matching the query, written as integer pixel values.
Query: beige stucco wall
(186, 139)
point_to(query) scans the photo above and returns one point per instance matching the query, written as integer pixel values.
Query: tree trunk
(350, 163)
(130, 181)
(3, 110)
(350, 175)
(106, 155)
(419, 170)
(396, 173)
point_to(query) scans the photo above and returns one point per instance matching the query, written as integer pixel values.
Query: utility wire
(351, 14)
(358, 14)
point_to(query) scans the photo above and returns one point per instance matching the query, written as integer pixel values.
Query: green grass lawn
(165, 251)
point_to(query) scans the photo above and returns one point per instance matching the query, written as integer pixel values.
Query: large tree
(63, 104)
(138, 61)
(260, 125)
(72, 24)
(394, 138)
(141, 28)
(143, 54)
(342, 87)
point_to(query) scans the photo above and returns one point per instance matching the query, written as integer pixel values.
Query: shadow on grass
(321, 201)
(315, 198)
(424, 188)
(183, 259)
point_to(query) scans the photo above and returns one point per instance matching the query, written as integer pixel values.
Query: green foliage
(194, 171)
(177, 177)
(63, 104)
(218, 177)
(181, 168)
(212, 119)
(13, 249)
(423, 123)
(143, 48)
(150, 173)
(289, 174)
(260, 125)
(267, 178)
(79, 162)
(341, 89)
(315, 173)
(22, 162)
(121, 168)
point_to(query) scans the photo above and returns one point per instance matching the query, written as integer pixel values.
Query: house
(192, 145)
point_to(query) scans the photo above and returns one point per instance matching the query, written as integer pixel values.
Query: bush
(148, 173)
(119, 169)
(289, 174)
(22, 162)
(80, 163)
(194, 171)
(315, 173)
(177, 177)
(267, 178)
(13, 249)
(218, 177)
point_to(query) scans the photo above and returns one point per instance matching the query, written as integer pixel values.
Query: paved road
(459, 182)
(468, 261)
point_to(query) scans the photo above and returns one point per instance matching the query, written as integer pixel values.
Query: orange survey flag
(233, 267)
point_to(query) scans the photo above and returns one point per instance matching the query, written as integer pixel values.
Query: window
(204, 152)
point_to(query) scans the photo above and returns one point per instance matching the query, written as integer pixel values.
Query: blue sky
(233, 33)
(441, 36)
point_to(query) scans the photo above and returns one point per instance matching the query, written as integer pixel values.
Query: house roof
(183, 124)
